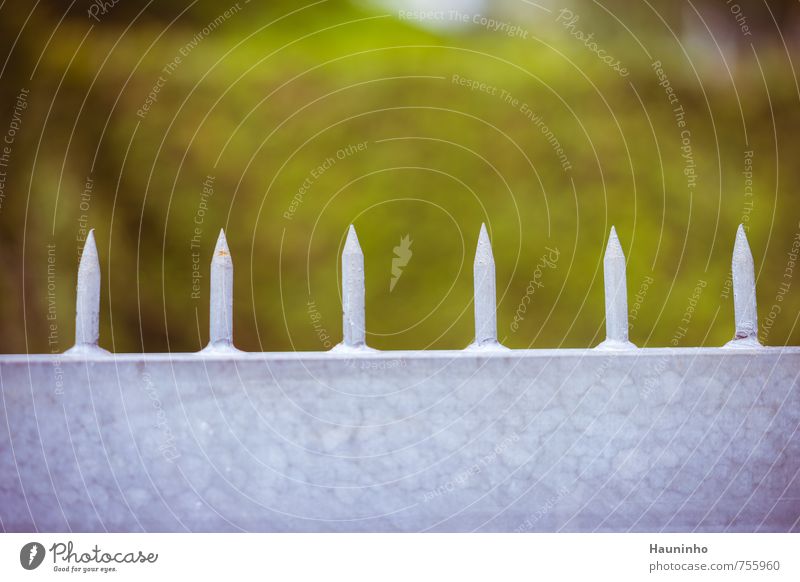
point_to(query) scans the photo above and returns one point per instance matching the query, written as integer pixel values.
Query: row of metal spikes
(87, 324)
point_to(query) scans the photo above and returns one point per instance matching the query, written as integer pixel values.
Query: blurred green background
(499, 112)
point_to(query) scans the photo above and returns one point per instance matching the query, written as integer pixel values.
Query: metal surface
(485, 299)
(744, 293)
(486, 438)
(616, 295)
(545, 440)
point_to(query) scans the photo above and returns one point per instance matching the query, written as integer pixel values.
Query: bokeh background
(159, 123)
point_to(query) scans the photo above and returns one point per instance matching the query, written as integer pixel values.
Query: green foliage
(264, 106)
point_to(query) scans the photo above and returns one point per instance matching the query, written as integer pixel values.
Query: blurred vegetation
(263, 98)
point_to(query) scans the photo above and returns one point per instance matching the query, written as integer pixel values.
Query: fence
(614, 438)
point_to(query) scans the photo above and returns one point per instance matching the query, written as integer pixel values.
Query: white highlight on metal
(616, 296)
(353, 306)
(485, 294)
(744, 294)
(221, 298)
(87, 303)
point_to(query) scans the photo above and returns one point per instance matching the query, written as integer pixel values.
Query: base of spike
(747, 342)
(86, 350)
(487, 346)
(346, 349)
(220, 348)
(613, 345)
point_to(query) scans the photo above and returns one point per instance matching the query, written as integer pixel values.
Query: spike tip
(616, 296)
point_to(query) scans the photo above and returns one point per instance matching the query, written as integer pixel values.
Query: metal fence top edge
(399, 355)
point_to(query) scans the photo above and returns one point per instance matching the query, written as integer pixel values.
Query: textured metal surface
(485, 294)
(87, 302)
(220, 322)
(616, 295)
(551, 440)
(744, 293)
(353, 294)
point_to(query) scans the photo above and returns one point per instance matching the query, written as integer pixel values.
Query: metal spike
(744, 294)
(485, 299)
(221, 298)
(353, 306)
(616, 295)
(87, 304)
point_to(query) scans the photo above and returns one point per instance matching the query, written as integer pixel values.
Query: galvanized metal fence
(613, 438)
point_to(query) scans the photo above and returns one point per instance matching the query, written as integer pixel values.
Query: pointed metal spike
(483, 252)
(221, 248)
(351, 244)
(353, 305)
(744, 293)
(616, 295)
(221, 297)
(614, 247)
(87, 321)
(87, 303)
(485, 299)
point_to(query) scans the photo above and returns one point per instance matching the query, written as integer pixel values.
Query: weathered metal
(87, 303)
(221, 298)
(744, 293)
(353, 439)
(354, 329)
(691, 439)
(616, 296)
(485, 297)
